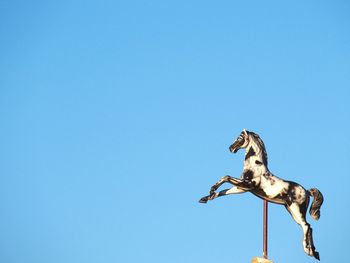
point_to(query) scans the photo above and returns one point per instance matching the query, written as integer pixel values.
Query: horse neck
(254, 156)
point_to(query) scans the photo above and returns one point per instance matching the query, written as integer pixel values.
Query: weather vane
(257, 179)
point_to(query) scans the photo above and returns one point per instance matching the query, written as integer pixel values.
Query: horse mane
(261, 145)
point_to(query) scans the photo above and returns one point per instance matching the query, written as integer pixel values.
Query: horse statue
(257, 179)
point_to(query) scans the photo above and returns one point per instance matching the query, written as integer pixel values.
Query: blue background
(116, 117)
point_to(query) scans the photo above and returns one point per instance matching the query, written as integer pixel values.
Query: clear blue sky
(116, 117)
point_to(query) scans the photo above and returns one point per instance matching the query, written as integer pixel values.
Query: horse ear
(245, 132)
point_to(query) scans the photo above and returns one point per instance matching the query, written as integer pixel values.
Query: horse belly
(273, 190)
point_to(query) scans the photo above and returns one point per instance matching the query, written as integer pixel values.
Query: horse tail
(316, 203)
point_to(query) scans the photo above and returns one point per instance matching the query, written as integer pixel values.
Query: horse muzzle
(234, 147)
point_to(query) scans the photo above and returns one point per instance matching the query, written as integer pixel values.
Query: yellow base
(261, 260)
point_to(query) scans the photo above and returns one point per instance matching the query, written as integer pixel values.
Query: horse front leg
(239, 187)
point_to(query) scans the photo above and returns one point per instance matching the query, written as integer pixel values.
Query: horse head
(252, 143)
(241, 142)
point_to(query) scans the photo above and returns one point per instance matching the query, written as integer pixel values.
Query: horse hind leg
(298, 213)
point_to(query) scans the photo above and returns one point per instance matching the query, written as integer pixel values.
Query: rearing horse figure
(257, 179)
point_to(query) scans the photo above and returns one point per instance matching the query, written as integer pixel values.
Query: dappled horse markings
(257, 179)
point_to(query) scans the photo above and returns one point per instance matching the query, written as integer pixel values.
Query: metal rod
(265, 229)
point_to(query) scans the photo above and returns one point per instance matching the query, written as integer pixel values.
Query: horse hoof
(203, 200)
(317, 255)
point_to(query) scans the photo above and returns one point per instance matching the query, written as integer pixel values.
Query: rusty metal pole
(265, 229)
(264, 259)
